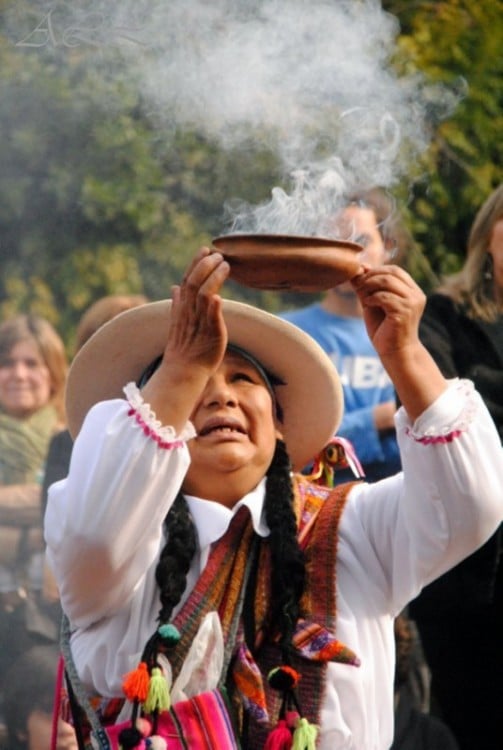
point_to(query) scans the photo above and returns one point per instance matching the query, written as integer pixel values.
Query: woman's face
(236, 433)
(25, 380)
(496, 251)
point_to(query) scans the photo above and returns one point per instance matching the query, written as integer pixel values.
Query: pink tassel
(280, 738)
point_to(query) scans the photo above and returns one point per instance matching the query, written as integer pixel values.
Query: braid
(172, 568)
(176, 556)
(287, 559)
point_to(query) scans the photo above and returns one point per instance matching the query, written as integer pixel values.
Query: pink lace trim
(164, 436)
(435, 439)
(441, 434)
(150, 432)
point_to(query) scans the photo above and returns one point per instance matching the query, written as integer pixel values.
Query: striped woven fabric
(203, 722)
(205, 718)
(218, 588)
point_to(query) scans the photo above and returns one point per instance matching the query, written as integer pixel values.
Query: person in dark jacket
(415, 729)
(460, 615)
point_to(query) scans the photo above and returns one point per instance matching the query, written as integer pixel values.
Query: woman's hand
(197, 335)
(196, 340)
(392, 307)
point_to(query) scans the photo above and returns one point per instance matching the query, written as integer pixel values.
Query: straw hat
(311, 397)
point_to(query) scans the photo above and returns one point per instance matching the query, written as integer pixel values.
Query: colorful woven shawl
(221, 588)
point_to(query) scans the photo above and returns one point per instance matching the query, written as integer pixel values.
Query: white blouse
(103, 529)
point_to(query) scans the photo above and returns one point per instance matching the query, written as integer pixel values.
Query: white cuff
(165, 433)
(448, 416)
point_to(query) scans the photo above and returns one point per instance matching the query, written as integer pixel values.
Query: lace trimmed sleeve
(437, 424)
(164, 436)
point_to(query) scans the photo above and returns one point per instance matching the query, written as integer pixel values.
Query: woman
(33, 370)
(462, 324)
(191, 560)
(462, 327)
(97, 314)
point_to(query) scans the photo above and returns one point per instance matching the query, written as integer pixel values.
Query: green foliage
(456, 44)
(96, 198)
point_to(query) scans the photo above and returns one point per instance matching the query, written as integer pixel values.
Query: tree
(455, 43)
(97, 196)
(95, 199)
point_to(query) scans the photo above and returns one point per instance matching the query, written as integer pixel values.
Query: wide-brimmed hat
(310, 397)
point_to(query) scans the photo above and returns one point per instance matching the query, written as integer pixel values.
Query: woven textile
(221, 587)
(321, 510)
(218, 589)
(201, 723)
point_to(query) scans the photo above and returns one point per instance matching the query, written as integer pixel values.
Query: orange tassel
(135, 684)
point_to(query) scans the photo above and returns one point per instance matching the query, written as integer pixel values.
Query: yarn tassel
(135, 684)
(130, 738)
(156, 743)
(280, 738)
(304, 737)
(158, 698)
(169, 634)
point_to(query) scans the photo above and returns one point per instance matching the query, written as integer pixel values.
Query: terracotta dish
(289, 262)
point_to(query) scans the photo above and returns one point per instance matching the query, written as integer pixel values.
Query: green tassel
(304, 737)
(158, 698)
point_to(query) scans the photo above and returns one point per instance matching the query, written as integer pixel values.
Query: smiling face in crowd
(25, 380)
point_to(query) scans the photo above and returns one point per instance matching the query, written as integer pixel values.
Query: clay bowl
(288, 262)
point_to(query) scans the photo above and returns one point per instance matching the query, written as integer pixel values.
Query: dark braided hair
(176, 557)
(287, 560)
(288, 571)
(173, 566)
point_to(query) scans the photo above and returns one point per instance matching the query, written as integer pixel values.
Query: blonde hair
(50, 345)
(471, 286)
(103, 310)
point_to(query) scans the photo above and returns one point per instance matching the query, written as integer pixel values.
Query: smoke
(310, 79)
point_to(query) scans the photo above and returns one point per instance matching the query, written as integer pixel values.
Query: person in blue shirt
(336, 323)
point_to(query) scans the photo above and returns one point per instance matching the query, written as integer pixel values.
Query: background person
(29, 703)
(96, 315)
(32, 378)
(414, 729)
(337, 324)
(462, 327)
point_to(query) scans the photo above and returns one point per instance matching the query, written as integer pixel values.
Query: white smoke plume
(310, 79)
